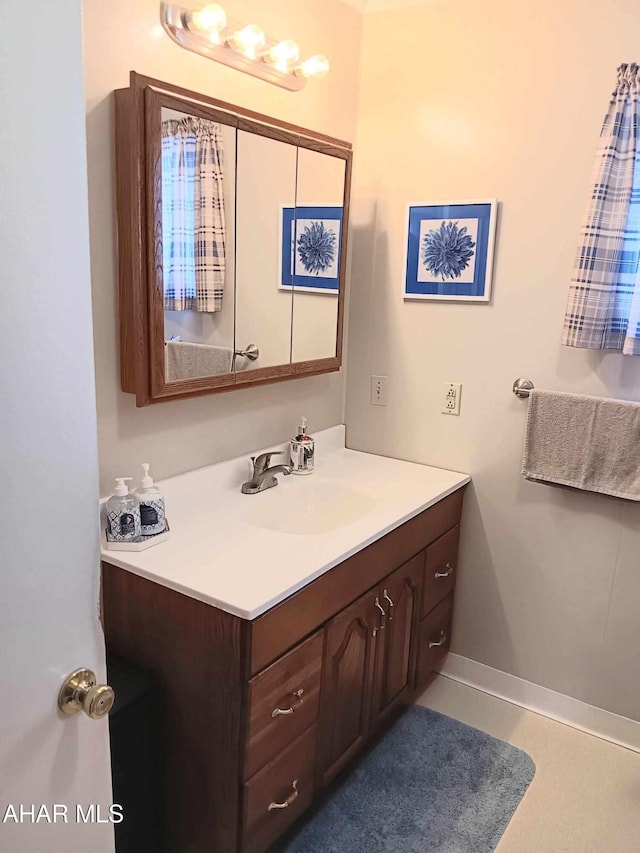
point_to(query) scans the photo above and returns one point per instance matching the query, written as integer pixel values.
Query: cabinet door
(399, 594)
(347, 683)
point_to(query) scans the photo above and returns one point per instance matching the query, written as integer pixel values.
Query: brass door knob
(80, 692)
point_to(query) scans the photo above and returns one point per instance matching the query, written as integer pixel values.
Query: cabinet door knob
(293, 796)
(286, 712)
(383, 616)
(443, 639)
(385, 595)
(448, 571)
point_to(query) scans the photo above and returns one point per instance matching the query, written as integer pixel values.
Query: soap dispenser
(301, 450)
(152, 515)
(123, 514)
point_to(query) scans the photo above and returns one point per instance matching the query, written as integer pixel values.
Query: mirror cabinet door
(231, 235)
(198, 165)
(265, 187)
(317, 261)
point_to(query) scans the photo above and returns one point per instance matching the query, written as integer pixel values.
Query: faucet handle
(262, 462)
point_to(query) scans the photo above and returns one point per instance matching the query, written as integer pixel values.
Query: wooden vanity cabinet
(397, 642)
(369, 665)
(441, 568)
(347, 686)
(260, 715)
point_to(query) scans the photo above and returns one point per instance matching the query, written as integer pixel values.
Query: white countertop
(225, 548)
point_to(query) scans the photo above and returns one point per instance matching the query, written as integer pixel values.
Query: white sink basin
(308, 507)
(246, 553)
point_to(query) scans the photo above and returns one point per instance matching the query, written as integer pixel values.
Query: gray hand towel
(584, 442)
(185, 360)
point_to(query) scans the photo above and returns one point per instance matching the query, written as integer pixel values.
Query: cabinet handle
(285, 712)
(441, 641)
(385, 595)
(447, 573)
(293, 796)
(383, 617)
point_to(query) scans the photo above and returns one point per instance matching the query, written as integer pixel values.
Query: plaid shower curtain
(193, 224)
(603, 311)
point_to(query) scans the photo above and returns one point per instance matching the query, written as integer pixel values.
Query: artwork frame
(448, 250)
(320, 223)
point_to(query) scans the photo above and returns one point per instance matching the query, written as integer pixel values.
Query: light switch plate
(378, 390)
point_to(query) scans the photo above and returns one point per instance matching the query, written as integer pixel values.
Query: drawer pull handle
(385, 595)
(447, 573)
(286, 712)
(293, 796)
(383, 617)
(443, 639)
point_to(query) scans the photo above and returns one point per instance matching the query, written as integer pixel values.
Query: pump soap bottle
(123, 514)
(301, 453)
(152, 516)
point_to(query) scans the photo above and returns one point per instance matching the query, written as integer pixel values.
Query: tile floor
(585, 796)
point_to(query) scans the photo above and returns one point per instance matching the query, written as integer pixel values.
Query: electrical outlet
(378, 390)
(451, 399)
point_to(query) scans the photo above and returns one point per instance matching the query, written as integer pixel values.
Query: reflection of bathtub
(185, 360)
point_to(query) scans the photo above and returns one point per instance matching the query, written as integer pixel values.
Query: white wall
(124, 35)
(480, 100)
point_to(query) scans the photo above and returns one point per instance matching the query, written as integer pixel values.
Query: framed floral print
(449, 250)
(310, 248)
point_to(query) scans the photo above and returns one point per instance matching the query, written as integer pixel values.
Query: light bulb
(211, 18)
(249, 40)
(315, 66)
(284, 55)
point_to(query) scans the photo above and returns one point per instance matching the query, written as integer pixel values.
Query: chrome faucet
(264, 474)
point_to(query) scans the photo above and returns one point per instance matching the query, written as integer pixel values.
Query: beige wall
(480, 100)
(124, 35)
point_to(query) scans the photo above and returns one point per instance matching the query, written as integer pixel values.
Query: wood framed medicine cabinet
(282, 185)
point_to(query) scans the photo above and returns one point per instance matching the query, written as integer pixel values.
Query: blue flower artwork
(317, 246)
(449, 251)
(310, 248)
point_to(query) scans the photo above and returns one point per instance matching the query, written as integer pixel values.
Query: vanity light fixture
(207, 30)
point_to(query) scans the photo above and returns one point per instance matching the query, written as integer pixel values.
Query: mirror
(316, 264)
(266, 184)
(232, 244)
(198, 245)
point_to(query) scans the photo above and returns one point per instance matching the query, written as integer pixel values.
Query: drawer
(434, 639)
(282, 703)
(441, 566)
(278, 794)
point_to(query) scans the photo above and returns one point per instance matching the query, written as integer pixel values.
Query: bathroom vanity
(283, 651)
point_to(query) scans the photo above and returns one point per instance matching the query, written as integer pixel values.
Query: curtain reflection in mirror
(193, 215)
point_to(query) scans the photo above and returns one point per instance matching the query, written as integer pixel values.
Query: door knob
(80, 692)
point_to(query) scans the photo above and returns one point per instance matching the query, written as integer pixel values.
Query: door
(399, 594)
(49, 552)
(350, 642)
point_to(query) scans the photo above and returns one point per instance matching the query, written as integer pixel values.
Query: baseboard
(541, 700)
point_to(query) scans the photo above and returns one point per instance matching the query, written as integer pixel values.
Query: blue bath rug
(431, 785)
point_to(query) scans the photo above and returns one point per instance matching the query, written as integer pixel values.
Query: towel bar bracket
(521, 388)
(251, 352)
